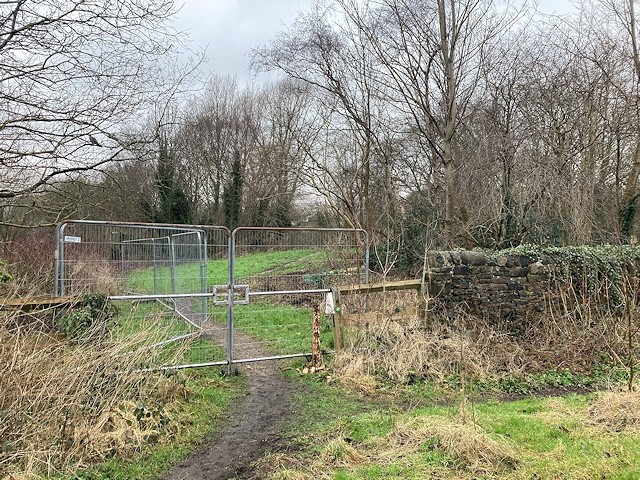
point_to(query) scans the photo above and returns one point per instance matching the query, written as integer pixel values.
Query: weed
(91, 319)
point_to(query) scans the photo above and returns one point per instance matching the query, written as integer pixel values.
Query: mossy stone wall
(518, 284)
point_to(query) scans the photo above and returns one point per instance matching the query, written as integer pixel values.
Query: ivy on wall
(607, 272)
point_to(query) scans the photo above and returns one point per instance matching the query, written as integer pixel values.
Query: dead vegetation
(64, 405)
(618, 411)
(470, 451)
(400, 344)
(407, 351)
(467, 443)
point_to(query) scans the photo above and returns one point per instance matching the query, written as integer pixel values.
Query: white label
(72, 239)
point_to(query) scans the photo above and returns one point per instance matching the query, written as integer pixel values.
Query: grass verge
(344, 437)
(199, 414)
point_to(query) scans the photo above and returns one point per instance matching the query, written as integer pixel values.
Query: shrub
(94, 318)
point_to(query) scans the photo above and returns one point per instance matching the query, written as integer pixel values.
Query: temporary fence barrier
(214, 297)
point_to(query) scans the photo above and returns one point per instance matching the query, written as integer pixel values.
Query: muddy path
(254, 425)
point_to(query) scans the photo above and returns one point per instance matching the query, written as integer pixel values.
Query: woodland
(431, 124)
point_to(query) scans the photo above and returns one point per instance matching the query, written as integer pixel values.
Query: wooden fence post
(315, 342)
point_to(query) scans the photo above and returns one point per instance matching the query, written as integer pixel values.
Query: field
(448, 398)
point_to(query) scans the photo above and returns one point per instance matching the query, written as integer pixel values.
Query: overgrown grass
(559, 437)
(210, 397)
(65, 405)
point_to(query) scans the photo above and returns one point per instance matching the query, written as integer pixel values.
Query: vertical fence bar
(232, 255)
(338, 332)
(56, 263)
(172, 263)
(61, 259)
(155, 267)
(202, 253)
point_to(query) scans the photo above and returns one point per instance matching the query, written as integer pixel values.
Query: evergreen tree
(174, 205)
(232, 196)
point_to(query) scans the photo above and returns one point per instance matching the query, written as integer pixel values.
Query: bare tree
(75, 76)
(432, 54)
(628, 83)
(326, 50)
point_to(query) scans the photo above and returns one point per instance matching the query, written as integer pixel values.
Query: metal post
(56, 261)
(202, 252)
(62, 289)
(172, 262)
(338, 332)
(172, 270)
(231, 249)
(155, 266)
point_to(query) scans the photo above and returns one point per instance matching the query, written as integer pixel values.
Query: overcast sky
(230, 28)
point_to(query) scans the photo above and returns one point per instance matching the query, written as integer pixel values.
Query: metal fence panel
(285, 272)
(153, 273)
(211, 296)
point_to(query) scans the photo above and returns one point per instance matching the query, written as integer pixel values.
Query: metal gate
(202, 295)
(281, 274)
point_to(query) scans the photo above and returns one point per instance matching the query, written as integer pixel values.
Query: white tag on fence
(329, 307)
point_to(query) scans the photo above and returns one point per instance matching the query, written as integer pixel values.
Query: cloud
(230, 28)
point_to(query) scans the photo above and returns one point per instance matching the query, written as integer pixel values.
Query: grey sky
(230, 28)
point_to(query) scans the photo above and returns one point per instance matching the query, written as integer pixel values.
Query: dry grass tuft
(340, 453)
(404, 351)
(65, 405)
(467, 443)
(471, 452)
(95, 275)
(619, 411)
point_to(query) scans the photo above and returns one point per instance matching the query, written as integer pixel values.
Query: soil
(257, 422)
(254, 425)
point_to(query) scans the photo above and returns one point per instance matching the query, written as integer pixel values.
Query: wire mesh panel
(279, 275)
(120, 259)
(156, 274)
(174, 283)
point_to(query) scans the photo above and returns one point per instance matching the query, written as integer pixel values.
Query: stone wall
(505, 288)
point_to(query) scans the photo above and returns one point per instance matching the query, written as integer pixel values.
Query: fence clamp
(240, 294)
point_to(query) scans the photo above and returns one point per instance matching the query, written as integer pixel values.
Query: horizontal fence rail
(206, 296)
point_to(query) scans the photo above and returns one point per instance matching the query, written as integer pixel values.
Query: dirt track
(252, 429)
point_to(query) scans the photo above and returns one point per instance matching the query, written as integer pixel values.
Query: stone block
(519, 271)
(473, 258)
(461, 270)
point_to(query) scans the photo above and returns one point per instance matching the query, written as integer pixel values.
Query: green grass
(152, 316)
(188, 277)
(361, 438)
(202, 414)
(284, 328)
(282, 262)
(555, 439)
